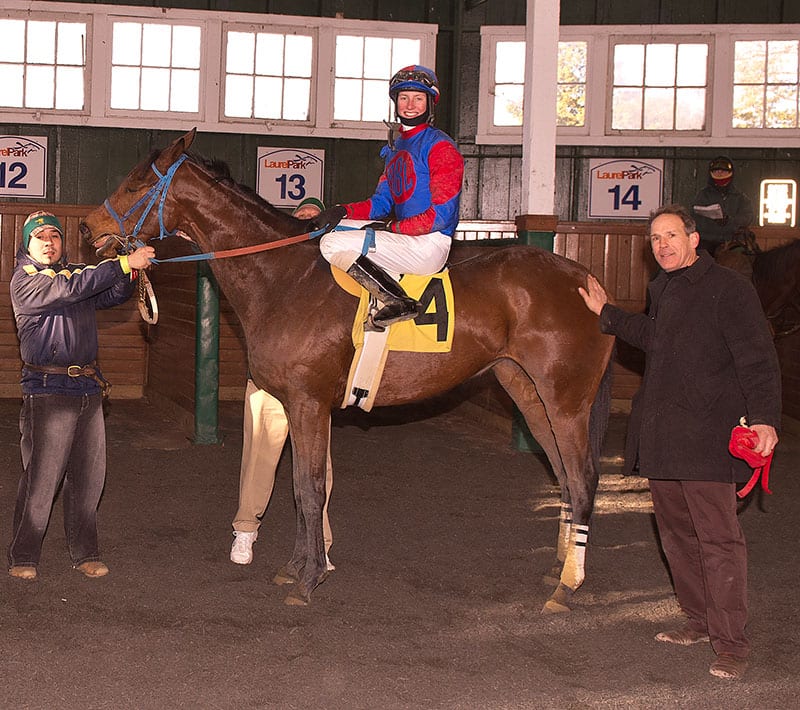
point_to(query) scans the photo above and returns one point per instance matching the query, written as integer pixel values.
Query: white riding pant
(397, 253)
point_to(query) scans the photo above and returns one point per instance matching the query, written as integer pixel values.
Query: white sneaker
(242, 548)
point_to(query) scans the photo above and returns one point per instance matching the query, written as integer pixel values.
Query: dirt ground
(442, 532)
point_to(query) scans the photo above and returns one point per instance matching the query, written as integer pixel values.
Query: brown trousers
(707, 556)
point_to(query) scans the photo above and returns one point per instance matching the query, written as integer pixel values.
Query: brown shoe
(93, 568)
(684, 636)
(23, 572)
(728, 666)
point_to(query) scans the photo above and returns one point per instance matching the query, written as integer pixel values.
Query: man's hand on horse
(328, 219)
(140, 259)
(594, 295)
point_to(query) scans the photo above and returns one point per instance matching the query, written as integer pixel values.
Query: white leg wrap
(564, 527)
(574, 573)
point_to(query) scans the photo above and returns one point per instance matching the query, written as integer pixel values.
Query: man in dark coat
(710, 361)
(721, 210)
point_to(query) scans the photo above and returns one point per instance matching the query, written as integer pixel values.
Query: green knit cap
(36, 222)
(311, 201)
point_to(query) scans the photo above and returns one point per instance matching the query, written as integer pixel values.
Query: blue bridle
(156, 192)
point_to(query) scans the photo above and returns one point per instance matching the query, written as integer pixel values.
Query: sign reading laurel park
(23, 166)
(624, 189)
(286, 176)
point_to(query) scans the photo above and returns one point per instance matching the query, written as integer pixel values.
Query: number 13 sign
(624, 189)
(23, 166)
(286, 176)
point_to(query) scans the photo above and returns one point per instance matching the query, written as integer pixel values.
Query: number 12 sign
(624, 189)
(23, 163)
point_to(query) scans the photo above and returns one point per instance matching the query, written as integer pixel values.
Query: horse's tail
(600, 413)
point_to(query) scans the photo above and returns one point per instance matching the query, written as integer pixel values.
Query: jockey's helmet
(416, 78)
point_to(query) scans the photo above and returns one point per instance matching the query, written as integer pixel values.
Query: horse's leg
(309, 426)
(522, 390)
(566, 443)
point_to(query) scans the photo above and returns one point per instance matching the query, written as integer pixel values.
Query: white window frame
(210, 117)
(719, 132)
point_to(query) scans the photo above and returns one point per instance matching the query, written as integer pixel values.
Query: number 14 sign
(624, 189)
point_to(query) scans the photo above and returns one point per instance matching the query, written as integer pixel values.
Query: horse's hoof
(558, 603)
(283, 576)
(553, 607)
(297, 598)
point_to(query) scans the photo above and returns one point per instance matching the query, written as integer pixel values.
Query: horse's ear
(175, 149)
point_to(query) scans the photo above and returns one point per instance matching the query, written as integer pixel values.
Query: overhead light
(778, 203)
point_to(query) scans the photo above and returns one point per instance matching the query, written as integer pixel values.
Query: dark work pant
(63, 439)
(707, 556)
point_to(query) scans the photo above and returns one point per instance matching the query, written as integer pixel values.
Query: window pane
(299, 56)
(377, 58)
(124, 87)
(239, 96)
(156, 45)
(11, 79)
(71, 43)
(508, 105)
(12, 41)
(155, 89)
(296, 99)
(571, 105)
(40, 87)
(268, 97)
(185, 90)
(349, 56)
(510, 63)
(186, 41)
(571, 62)
(750, 62)
(628, 65)
(126, 43)
(405, 52)
(659, 109)
(41, 42)
(627, 109)
(692, 64)
(347, 100)
(69, 88)
(748, 106)
(690, 111)
(375, 101)
(240, 53)
(781, 107)
(782, 63)
(660, 65)
(269, 54)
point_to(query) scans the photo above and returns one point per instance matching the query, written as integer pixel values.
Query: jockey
(415, 204)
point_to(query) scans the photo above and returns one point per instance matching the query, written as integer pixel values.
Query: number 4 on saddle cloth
(429, 332)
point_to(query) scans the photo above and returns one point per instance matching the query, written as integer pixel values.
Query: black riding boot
(397, 305)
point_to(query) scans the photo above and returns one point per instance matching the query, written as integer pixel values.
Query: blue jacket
(54, 307)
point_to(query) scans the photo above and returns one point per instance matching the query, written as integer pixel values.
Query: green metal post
(538, 231)
(206, 371)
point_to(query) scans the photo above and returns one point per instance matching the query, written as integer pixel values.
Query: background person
(721, 211)
(63, 435)
(419, 191)
(710, 360)
(265, 428)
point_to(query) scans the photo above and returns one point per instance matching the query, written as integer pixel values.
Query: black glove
(328, 219)
(377, 226)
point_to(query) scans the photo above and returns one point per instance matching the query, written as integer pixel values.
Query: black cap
(721, 162)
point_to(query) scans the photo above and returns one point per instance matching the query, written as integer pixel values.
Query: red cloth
(743, 441)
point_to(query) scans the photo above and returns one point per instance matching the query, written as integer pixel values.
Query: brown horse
(517, 312)
(776, 276)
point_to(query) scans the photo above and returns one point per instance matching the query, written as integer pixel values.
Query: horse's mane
(779, 264)
(221, 172)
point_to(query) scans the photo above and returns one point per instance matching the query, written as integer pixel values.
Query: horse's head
(138, 208)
